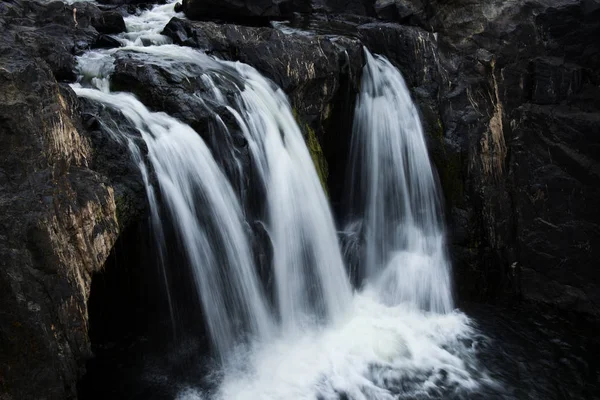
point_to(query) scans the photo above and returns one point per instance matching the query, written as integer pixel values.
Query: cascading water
(331, 343)
(208, 221)
(393, 198)
(307, 264)
(309, 271)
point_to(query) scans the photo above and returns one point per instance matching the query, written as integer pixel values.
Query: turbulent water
(396, 336)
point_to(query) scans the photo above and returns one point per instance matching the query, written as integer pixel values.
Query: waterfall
(208, 221)
(393, 201)
(318, 338)
(208, 216)
(309, 271)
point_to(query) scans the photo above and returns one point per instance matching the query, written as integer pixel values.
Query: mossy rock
(315, 150)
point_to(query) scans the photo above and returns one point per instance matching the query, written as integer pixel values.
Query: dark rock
(136, 3)
(58, 214)
(106, 42)
(53, 32)
(256, 12)
(261, 12)
(61, 217)
(556, 173)
(178, 7)
(353, 7)
(184, 34)
(407, 12)
(553, 81)
(109, 22)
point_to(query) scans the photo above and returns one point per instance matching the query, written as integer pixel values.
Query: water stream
(396, 336)
(392, 196)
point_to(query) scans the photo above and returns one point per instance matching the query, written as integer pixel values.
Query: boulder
(109, 22)
(410, 12)
(106, 42)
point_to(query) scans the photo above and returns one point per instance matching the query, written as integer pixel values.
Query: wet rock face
(517, 100)
(256, 12)
(528, 171)
(58, 224)
(55, 31)
(509, 97)
(58, 215)
(260, 12)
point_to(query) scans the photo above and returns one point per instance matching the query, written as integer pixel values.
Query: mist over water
(395, 336)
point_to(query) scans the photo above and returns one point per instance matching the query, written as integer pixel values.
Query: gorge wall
(509, 93)
(509, 96)
(58, 207)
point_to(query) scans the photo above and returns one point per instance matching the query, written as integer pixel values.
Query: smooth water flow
(200, 203)
(393, 198)
(310, 280)
(208, 221)
(310, 277)
(318, 338)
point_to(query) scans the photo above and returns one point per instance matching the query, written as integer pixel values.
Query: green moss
(440, 129)
(315, 150)
(123, 211)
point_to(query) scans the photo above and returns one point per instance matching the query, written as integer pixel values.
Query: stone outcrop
(58, 214)
(520, 95)
(260, 12)
(58, 224)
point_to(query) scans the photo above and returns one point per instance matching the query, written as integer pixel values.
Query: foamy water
(380, 353)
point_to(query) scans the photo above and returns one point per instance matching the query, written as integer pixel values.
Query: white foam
(377, 345)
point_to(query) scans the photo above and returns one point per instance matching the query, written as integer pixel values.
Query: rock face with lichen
(518, 97)
(58, 224)
(58, 215)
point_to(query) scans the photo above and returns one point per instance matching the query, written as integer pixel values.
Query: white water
(393, 196)
(374, 344)
(208, 220)
(309, 271)
(310, 278)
